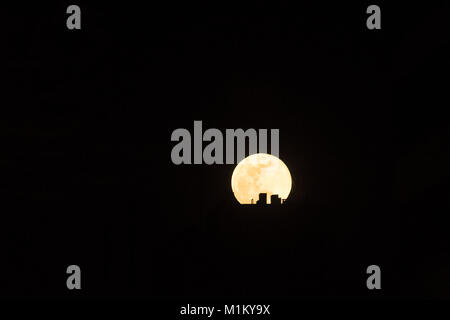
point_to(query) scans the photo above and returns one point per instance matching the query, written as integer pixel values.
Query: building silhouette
(274, 200)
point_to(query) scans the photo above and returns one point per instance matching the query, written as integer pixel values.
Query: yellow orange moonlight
(260, 173)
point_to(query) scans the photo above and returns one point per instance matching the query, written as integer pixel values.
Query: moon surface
(260, 173)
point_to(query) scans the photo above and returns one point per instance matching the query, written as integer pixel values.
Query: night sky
(87, 177)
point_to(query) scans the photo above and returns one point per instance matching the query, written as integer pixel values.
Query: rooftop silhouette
(274, 200)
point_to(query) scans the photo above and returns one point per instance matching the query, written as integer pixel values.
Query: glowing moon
(260, 173)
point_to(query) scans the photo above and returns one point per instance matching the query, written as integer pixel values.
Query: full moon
(260, 173)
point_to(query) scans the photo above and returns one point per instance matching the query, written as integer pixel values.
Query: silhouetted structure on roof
(262, 199)
(275, 199)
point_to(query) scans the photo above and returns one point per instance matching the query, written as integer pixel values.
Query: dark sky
(87, 175)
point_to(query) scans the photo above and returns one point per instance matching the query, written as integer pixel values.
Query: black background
(87, 177)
